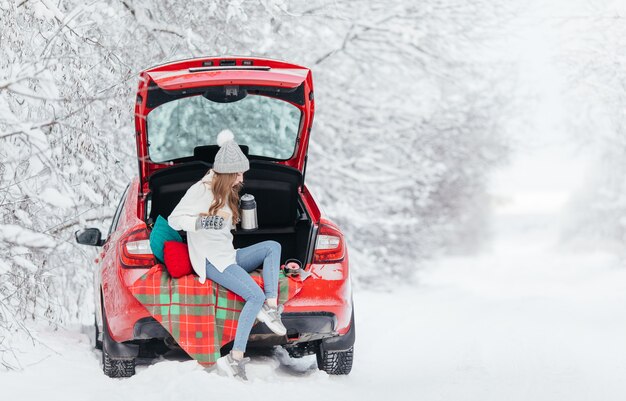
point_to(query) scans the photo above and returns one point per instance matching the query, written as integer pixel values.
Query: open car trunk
(280, 212)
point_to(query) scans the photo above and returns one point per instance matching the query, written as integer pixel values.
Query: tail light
(135, 249)
(329, 245)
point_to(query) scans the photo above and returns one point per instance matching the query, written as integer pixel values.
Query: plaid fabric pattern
(200, 317)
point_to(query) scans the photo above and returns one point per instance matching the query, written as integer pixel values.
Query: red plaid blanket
(201, 317)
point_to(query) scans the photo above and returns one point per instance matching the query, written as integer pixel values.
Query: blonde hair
(224, 191)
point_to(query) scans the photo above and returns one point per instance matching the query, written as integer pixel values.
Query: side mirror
(89, 236)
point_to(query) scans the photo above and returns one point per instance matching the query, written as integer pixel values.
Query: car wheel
(114, 367)
(335, 362)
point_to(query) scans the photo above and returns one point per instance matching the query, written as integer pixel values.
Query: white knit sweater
(214, 245)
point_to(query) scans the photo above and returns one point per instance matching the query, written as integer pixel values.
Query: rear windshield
(268, 126)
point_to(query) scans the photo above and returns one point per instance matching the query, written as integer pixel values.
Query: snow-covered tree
(406, 129)
(592, 54)
(408, 117)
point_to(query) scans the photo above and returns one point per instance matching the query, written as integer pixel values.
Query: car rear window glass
(268, 126)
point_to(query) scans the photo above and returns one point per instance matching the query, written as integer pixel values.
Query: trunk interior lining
(281, 216)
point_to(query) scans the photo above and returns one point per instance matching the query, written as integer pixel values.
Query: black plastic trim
(302, 327)
(114, 349)
(149, 327)
(307, 322)
(312, 240)
(341, 343)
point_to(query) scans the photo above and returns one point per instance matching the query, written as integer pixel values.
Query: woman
(208, 211)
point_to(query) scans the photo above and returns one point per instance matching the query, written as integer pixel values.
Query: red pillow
(176, 257)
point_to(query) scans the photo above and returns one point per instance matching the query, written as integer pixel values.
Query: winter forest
(471, 152)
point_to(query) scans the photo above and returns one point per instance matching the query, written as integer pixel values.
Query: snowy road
(520, 322)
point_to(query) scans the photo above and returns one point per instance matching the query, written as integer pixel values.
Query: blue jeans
(237, 278)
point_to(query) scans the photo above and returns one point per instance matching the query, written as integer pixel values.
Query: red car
(180, 108)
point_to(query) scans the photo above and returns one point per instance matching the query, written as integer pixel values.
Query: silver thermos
(248, 213)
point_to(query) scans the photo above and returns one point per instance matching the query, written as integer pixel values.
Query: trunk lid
(182, 106)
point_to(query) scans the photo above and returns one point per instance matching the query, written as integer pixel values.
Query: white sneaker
(231, 367)
(271, 317)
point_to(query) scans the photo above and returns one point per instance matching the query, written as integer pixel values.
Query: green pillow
(162, 232)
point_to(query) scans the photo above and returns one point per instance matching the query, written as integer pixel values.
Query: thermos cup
(248, 213)
(297, 272)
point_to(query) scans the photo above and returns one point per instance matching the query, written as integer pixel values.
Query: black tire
(335, 362)
(117, 367)
(98, 342)
(114, 367)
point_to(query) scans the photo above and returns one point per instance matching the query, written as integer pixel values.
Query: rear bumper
(302, 327)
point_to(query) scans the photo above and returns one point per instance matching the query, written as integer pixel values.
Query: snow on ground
(523, 321)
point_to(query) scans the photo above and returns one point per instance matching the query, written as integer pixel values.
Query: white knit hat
(230, 158)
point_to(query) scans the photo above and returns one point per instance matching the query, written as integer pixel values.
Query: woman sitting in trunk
(208, 211)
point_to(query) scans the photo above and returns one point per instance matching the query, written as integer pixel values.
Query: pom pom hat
(230, 158)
